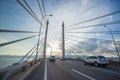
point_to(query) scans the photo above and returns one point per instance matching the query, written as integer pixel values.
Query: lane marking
(45, 72)
(83, 74)
(101, 69)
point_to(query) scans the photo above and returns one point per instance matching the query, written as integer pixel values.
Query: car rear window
(92, 57)
(101, 57)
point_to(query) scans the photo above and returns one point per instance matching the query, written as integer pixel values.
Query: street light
(49, 15)
(113, 41)
(39, 39)
(44, 16)
(51, 52)
(46, 31)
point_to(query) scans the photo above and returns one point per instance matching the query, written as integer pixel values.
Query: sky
(14, 17)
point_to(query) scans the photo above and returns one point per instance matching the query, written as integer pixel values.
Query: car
(52, 58)
(16, 63)
(96, 60)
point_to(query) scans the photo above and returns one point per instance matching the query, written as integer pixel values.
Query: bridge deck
(73, 70)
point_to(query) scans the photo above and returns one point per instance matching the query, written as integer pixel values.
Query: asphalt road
(73, 70)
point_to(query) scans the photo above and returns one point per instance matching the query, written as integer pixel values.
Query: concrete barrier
(28, 65)
(22, 75)
(115, 63)
(11, 70)
(2, 73)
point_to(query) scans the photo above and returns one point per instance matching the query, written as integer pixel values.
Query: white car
(96, 60)
(52, 58)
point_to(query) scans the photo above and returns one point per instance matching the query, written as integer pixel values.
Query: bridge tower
(63, 42)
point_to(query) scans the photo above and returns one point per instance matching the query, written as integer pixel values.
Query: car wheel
(96, 64)
(105, 65)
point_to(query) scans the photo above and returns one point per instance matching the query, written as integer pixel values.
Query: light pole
(39, 37)
(51, 52)
(63, 42)
(44, 16)
(113, 41)
(44, 51)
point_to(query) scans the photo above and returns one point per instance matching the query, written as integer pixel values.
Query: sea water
(5, 62)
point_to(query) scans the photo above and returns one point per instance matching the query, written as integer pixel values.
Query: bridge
(77, 40)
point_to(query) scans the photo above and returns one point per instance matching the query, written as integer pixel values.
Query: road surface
(73, 70)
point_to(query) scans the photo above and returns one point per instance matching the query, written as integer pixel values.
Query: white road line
(45, 72)
(83, 74)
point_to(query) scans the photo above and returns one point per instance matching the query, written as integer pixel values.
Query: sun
(54, 47)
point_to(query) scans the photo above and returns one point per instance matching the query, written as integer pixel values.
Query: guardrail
(115, 63)
(15, 68)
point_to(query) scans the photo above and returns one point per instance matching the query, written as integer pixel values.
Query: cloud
(85, 46)
(2, 40)
(69, 11)
(95, 47)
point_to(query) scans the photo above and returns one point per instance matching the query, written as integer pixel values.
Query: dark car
(52, 58)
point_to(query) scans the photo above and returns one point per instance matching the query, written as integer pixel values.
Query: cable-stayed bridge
(73, 41)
